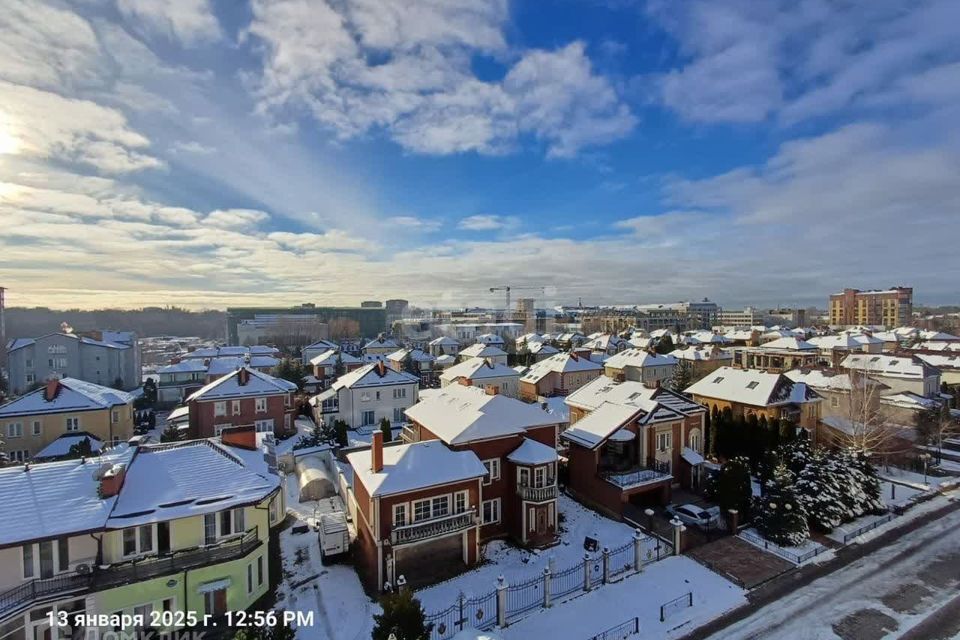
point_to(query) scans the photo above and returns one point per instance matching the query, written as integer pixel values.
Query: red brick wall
(387, 502)
(202, 419)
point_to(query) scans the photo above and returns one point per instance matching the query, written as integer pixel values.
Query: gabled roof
(843, 341)
(460, 414)
(72, 395)
(444, 340)
(61, 446)
(940, 361)
(416, 355)
(818, 379)
(184, 366)
(321, 344)
(639, 358)
(600, 424)
(478, 369)
(705, 337)
(886, 365)
(753, 387)
(419, 465)
(604, 342)
(790, 343)
(630, 393)
(481, 350)
(489, 338)
(381, 342)
(228, 386)
(701, 353)
(373, 375)
(329, 357)
(541, 348)
(560, 363)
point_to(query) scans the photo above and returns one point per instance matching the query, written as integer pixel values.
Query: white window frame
(74, 421)
(219, 409)
(235, 407)
(264, 426)
(461, 502)
(494, 505)
(493, 470)
(36, 427)
(400, 512)
(218, 428)
(141, 534)
(261, 405)
(664, 441)
(440, 506)
(363, 418)
(413, 510)
(15, 430)
(523, 476)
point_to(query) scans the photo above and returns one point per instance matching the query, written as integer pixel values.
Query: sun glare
(8, 142)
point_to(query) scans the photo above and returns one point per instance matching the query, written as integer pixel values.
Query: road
(903, 590)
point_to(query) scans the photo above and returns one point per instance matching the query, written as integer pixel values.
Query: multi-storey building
(486, 351)
(188, 372)
(484, 374)
(777, 355)
(241, 398)
(888, 308)
(558, 375)
(640, 366)
(101, 357)
(139, 530)
(703, 360)
(365, 396)
(899, 373)
(64, 408)
(746, 317)
(629, 444)
(357, 321)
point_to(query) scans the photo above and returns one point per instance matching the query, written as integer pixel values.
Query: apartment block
(888, 308)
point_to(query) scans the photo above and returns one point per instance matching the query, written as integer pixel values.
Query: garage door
(430, 562)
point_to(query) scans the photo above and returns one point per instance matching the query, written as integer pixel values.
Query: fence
(786, 554)
(683, 602)
(621, 631)
(507, 603)
(847, 537)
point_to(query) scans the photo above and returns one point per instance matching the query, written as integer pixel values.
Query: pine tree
(753, 440)
(766, 466)
(171, 434)
(870, 480)
(819, 487)
(402, 616)
(340, 432)
(714, 430)
(321, 434)
(386, 430)
(682, 376)
(732, 489)
(707, 433)
(779, 514)
(82, 449)
(795, 455)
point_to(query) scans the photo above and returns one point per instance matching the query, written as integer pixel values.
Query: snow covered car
(692, 514)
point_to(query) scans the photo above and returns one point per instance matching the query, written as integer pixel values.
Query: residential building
(605, 345)
(485, 374)
(486, 351)
(189, 372)
(834, 348)
(138, 530)
(314, 349)
(753, 392)
(245, 397)
(327, 364)
(444, 346)
(629, 444)
(899, 373)
(109, 358)
(746, 317)
(948, 364)
(887, 308)
(557, 375)
(639, 365)
(703, 360)
(367, 395)
(415, 361)
(379, 346)
(777, 355)
(64, 407)
(357, 321)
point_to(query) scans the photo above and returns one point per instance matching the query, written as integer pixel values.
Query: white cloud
(414, 223)
(187, 21)
(488, 223)
(236, 219)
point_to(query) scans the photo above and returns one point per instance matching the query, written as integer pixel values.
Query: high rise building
(890, 308)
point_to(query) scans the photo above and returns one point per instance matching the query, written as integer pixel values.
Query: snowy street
(882, 595)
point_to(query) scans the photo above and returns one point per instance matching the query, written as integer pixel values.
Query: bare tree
(869, 427)
(936, 425)
(294, 333)
(343, 328)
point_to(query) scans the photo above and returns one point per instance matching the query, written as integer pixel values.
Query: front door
(46, 559)
(541, 521)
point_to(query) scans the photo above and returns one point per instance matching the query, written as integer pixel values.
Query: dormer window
(753, 385)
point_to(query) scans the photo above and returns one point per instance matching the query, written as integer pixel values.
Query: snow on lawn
(896, 494)
(916, 480)
(638, 595)
(517, 564)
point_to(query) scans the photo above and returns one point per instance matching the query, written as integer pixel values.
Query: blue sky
(208, 153)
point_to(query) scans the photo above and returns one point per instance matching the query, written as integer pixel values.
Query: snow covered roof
(329, 358)
(907, 400)
(630, 392)
(639, 358)
(373, 375)
(937, 336)
(600, 424)
(828, 381)
(54, 498)
(705, 337)
(19, 343)
(489, 338)
(701, 353)
(604, 342)
(753, 387)
(72, 395)
(180, 414)
(790, 343)
(940, 361)
(416, 355)
(460, 414)
(478, 369)
(182, 479)
(381, 342)
(843, 341)
(321, 344)
(560, 363)
(228, 386)
(227, 352)
(893, 366)
(481, 350)
(184, 366)
(540, 348)
(61, 446)
(446, 359)
(444, 341)
(224, 365)
(408, 467)
(533, 452)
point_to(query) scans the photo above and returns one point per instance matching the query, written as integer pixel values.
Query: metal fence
(677, 604)
(619, 632)
(567, 581)
(523, 596)
(847, 537)
(477, 613)
(621, 559)
(786, 554)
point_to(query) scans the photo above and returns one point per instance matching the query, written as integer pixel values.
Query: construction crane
(507, 289)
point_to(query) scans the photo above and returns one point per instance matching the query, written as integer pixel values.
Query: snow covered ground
(517, 564)
(895, 494)
(916, 480)
(638, 595)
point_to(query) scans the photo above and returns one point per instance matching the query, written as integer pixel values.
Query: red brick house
(628, 443)
(241, 398)
(515, 441)
(416, 511)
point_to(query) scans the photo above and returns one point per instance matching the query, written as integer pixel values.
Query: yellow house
(68, 408)
(148, 531)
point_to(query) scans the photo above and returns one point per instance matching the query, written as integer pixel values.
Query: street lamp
(926, 458)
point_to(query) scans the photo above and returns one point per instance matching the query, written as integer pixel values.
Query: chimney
(381, 368)
(467, 382)
(492, 389)
(112, 480)
(52, 390)
(243, 376)
(573, 354)
(244, 437)
(376, 452)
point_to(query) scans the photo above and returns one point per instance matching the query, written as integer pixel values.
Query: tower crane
(507, 289)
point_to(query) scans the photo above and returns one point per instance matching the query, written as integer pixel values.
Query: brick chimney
(574, 356)
(244, 437)
(52, 390)
(467, 382)
(492, 389)
(112, 480)
(376, 452)
(381, 368)
(243, 376)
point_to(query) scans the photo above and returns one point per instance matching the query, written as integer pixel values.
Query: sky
(209, 153)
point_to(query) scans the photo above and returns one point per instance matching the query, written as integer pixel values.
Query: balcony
(107, 577)
(432, 528)
(538, 494)
(635, 477)
(408, 433)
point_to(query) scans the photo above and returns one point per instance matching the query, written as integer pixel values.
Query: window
(218, 428)
(144, 610)
(261, 405)
(753, 385)
(493, 470)
(250, 578)
(441, 506)
(27, 561)
(115, 416)
(14, 430)
(399, 393)
(209, 528)
(215, 602)
(695, 440)
(137, 540)
(219, 408)
(664, 441)
(523, 475)
(540, 477)
(18, 455)
(235, 407)
(73, 423)
(460, 502)
(378, 395)
(399, 515)
(259, 571)
(421, 510)
(31, 378)
(367, 418)
(491, 511)
(167, 605)
(129, 542)
(231, 521)
(264, 426)
(28, 363)
(834, 402)
(397, 415)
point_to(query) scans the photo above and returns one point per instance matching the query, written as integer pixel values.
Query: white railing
(433, 527)
(537, 494)
(638, 477)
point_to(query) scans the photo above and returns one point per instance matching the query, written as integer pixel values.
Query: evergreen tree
(150, 391)
(725, 436)
(82, 449)
(682, 376)
(321, 434)
(870, 482)
(731, 488)
(795, 455)
(788, 432)
(714, 429)
(291, 370)
(707, 433)
(766, 466)
(118, 383)
(818, 487)
(753, 440)
(385, 430)
(779, 514)
(664, 345)
(171, 434)
(340, 432)
(402, 616)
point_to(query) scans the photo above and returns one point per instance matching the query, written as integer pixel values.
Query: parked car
(692, 514)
